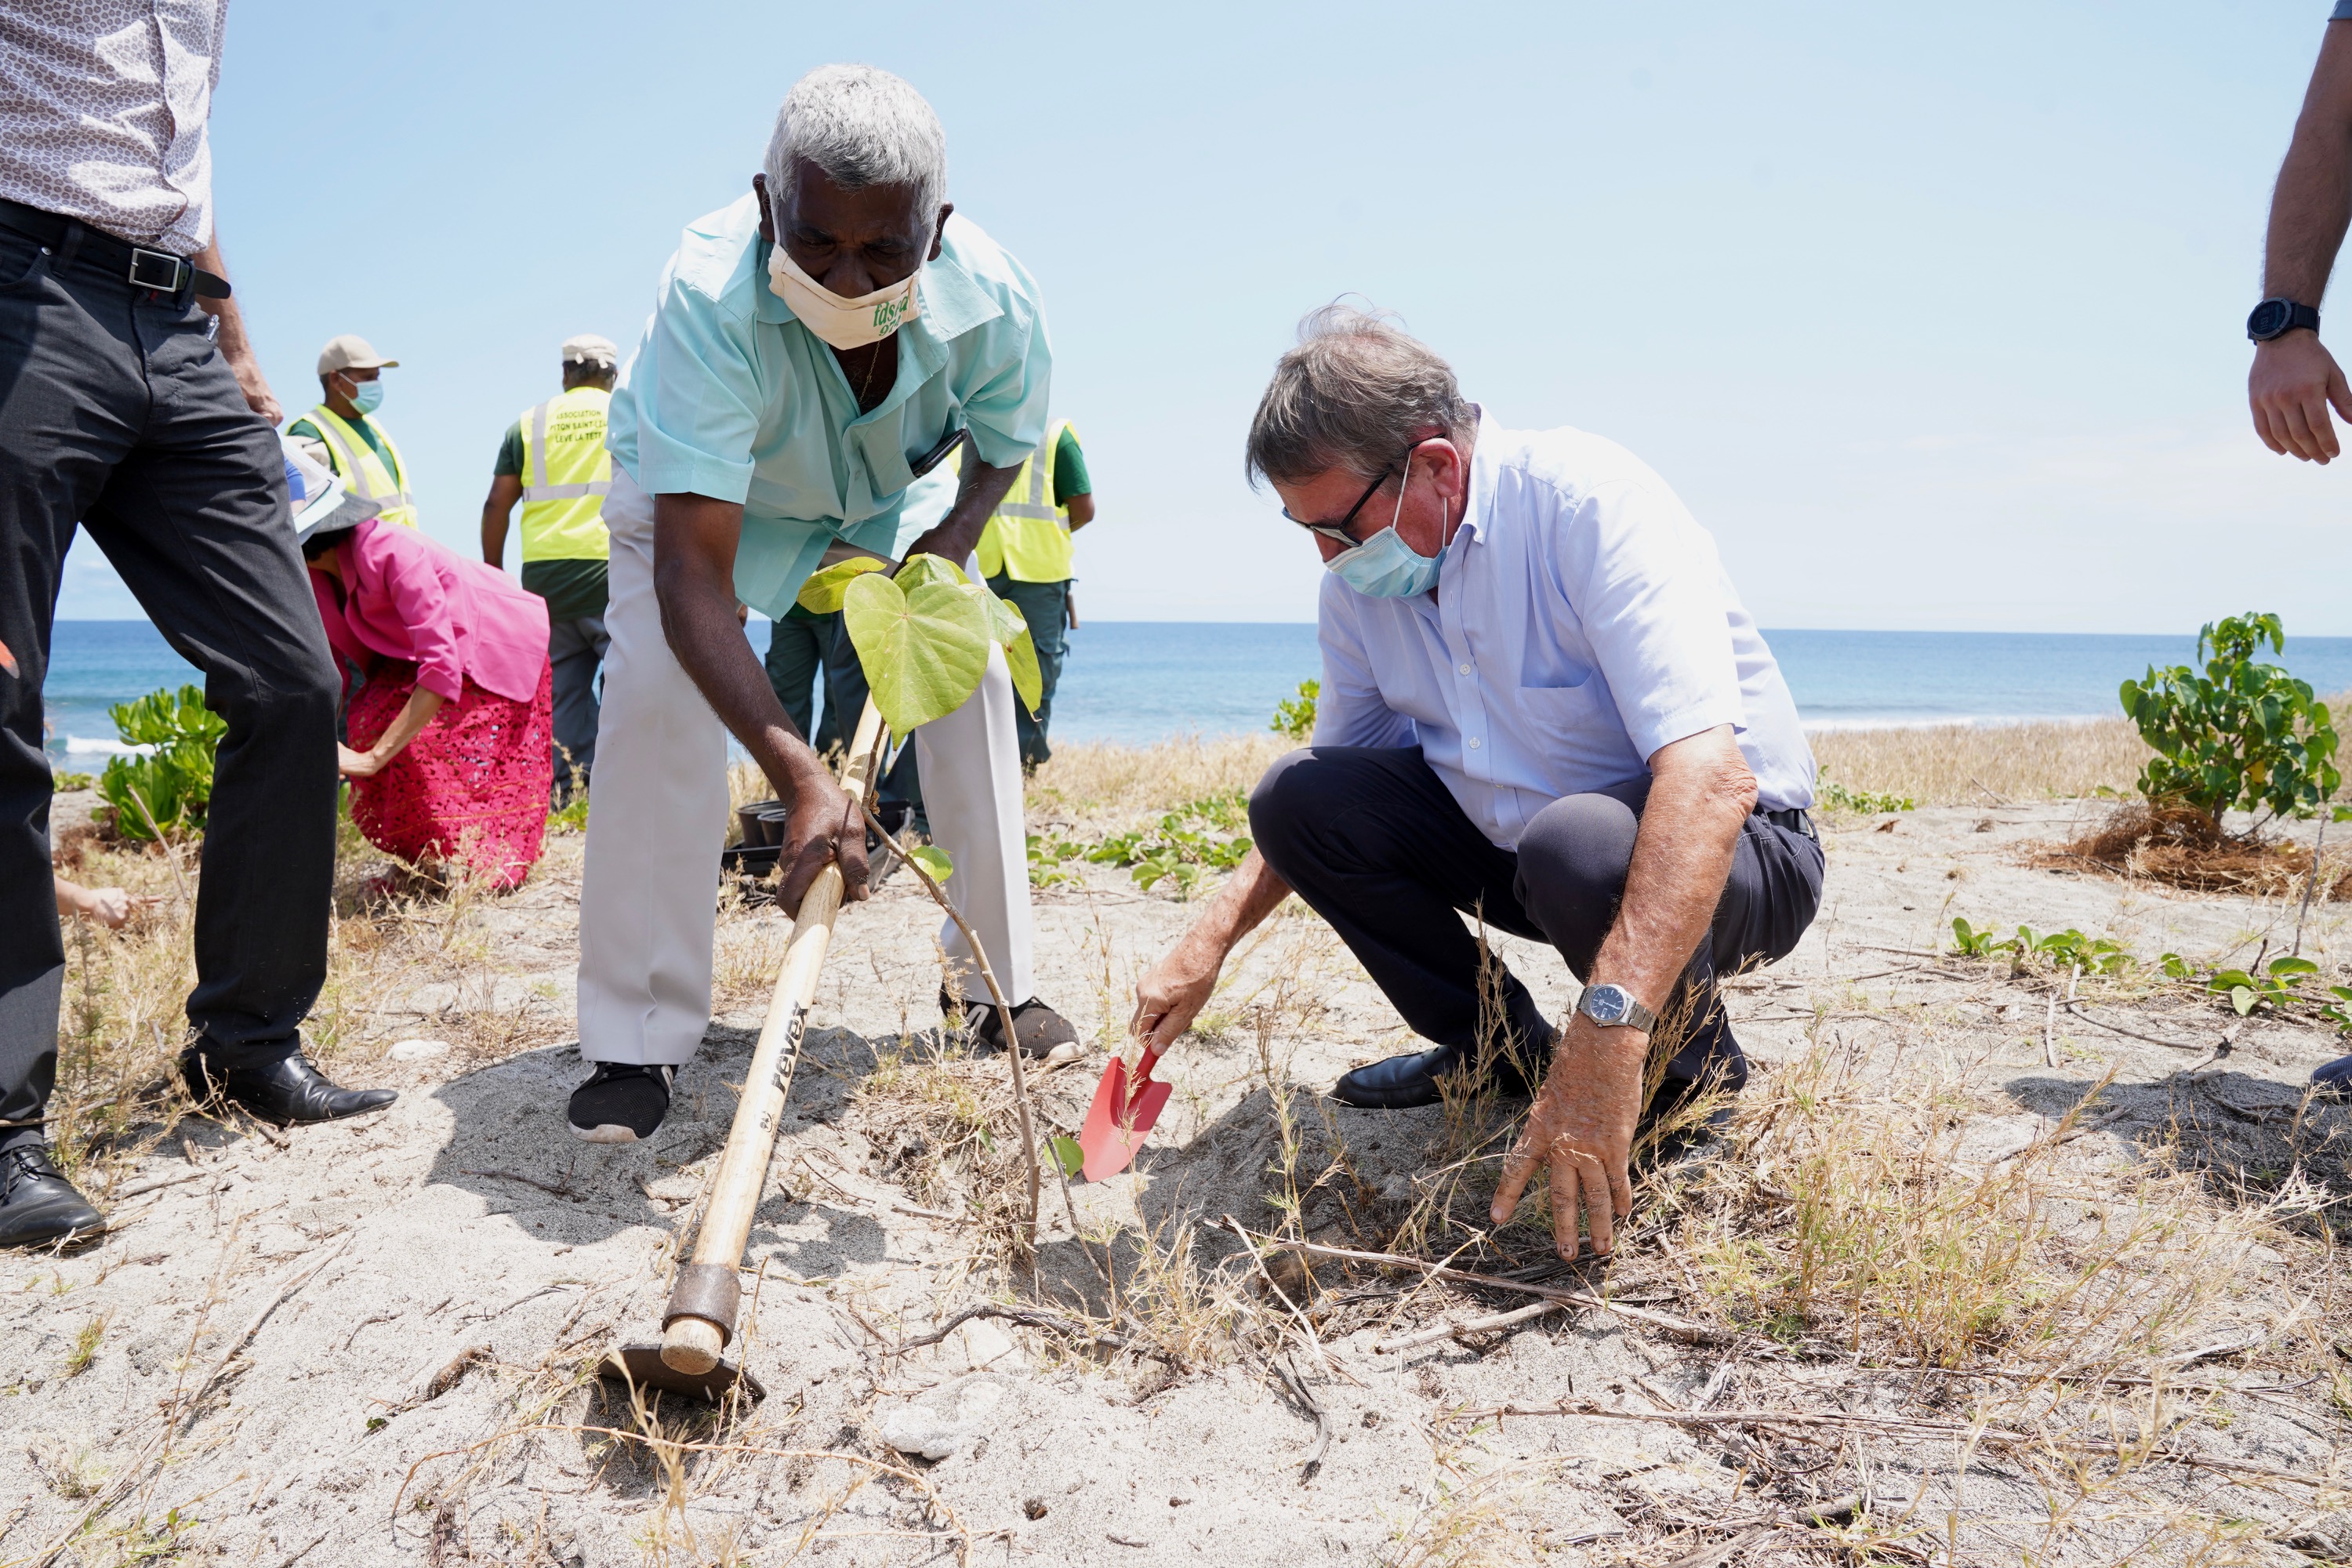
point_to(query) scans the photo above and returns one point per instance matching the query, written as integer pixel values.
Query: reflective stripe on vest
(566, 472)
(362, 470)
(1028, 537)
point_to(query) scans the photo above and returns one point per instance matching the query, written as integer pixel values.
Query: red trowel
(1124, 1110)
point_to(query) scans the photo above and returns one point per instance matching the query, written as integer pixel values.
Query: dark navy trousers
(1374, 843)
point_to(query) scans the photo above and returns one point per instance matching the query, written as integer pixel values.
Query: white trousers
(659, 812)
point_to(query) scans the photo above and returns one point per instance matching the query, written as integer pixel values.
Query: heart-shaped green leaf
(1028, 681)
(821, 595)
(1006, 624)
(924, 650)
(1067, 1155)
(923, 570)
(934, 860)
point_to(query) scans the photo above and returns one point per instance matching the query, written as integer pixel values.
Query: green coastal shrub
(1295, 716)
(175, 782)
(1834, 796)
(2239, 734)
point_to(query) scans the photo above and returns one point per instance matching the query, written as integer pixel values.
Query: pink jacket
(405, 597)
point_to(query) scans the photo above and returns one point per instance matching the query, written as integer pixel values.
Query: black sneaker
(621, 1102)
(1045, 1035)
(39, 1207)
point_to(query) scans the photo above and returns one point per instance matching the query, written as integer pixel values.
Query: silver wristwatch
(1613, 1006)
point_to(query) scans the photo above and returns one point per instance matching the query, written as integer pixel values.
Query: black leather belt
(137, 265)
(1794, 819)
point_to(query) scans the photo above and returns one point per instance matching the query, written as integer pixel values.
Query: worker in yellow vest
(1025, 553)
(554, 461)
(342, 431)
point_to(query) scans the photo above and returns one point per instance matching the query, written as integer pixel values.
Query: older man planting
(816, 349)
(1542, 705)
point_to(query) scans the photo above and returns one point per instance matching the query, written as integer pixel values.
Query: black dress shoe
(38, 1206)
(1045, 1035)
(2333, 1081)
(289, 1090)
(1401, 1082)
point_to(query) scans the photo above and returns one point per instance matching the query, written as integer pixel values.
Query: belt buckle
(144, 264)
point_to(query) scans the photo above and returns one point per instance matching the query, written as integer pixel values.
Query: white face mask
(843, 323)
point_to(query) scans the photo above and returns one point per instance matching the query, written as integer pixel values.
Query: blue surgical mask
(1384, 566)
(367, 396)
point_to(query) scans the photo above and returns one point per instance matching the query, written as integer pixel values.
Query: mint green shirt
(728, 396)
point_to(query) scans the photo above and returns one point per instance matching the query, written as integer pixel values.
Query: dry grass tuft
(1985, 764)
(1116, 787)
(1842, 1217)
(2184, 848)
(124, 1022)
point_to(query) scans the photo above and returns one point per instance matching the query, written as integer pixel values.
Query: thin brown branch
(1003, 1015)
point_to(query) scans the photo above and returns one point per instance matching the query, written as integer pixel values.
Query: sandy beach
(1978, 1273)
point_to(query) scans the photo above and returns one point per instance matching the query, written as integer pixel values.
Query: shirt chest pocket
(887, 471)
(1578, 717)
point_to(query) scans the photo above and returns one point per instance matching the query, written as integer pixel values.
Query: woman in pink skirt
(449, 735)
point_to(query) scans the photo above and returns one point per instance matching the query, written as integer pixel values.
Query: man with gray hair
(816, 350)
(1543, 706)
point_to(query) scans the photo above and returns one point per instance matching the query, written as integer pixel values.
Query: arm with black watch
(2275, 318)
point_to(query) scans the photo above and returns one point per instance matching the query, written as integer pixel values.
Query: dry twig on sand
(1681, 1328)
(1911, 1428)
(673, 1446)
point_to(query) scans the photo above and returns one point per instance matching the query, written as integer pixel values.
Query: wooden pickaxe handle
(700, 1318)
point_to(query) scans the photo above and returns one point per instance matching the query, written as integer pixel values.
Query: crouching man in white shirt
(1542, 704)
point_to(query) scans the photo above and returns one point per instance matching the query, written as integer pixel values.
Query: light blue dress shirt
(1582, 620)
(728, 396)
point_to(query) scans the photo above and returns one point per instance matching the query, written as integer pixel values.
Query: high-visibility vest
(363, 472)
(1028, 537)
(565, 472)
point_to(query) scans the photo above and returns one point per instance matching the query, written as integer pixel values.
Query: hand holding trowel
(1127, 1103)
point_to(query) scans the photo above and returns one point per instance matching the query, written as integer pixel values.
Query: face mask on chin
(841, 322)
(1384, 566)
(367, 396)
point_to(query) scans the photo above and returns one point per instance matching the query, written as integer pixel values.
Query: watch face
(1606, 1004)
(2268, 321)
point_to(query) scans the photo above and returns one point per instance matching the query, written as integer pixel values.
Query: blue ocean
(1139, 682)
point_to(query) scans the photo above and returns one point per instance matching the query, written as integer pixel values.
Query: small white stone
(911, 1430)
(418, 1050)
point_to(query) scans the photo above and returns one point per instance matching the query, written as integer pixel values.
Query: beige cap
(590, 348)
(351, 351)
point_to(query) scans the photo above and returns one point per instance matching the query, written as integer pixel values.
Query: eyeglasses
(1337, 532)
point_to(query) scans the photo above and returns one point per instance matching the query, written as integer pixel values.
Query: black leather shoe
(38, 1206)
(1401, 1082)
(1045, 1035)
(289, 1092)
(2334, 1081)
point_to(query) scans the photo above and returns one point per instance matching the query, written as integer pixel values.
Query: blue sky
(1931, 313)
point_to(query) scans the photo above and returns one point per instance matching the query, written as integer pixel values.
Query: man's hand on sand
(2293, 380)
(1582, 1126)
(1168, 999)
(825, 826)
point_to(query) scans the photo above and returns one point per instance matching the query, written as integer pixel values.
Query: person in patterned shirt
(136, 410)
